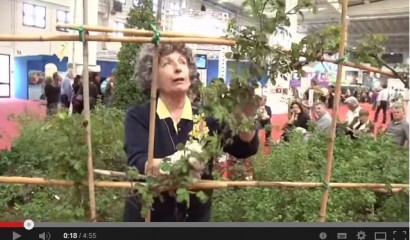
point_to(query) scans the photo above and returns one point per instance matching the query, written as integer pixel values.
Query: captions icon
(341, 236)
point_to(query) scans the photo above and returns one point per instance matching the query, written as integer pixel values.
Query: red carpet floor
(9, 130)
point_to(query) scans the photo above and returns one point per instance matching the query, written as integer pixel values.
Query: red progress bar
(11, 224)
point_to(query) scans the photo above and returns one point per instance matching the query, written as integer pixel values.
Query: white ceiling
(388, 17)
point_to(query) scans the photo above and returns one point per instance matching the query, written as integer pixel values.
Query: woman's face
(173, 74)
(262, 102)
(296, 109)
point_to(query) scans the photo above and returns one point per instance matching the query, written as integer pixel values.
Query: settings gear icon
(361, 235)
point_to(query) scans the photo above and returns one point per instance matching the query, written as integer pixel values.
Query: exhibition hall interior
(297, 94)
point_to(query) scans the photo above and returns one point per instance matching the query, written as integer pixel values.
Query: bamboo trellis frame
(153, 106)
(87, 119)
(202, 184)
(205, 184)
(331, 143)
(135, 39)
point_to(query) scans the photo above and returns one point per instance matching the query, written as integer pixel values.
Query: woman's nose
(177, 68)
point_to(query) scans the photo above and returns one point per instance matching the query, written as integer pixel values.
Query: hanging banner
(296, 80)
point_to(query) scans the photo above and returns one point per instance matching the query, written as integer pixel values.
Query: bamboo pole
(360, 66)
(330, 146)
(136, 32)
(106, 38)
(87, 120)
(115, 173)
(207, 184)
(214, 41)
(110, 173)
(153, 105)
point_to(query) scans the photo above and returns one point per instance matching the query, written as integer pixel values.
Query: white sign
(107, 54)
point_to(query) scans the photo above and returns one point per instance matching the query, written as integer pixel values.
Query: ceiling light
(309, 10)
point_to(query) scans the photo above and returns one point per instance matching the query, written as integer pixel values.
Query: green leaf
(202, 196)
(183, 196)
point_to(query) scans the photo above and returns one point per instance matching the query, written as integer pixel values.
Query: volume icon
(44, 236)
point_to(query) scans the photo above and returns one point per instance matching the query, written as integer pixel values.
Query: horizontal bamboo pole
(106, 38)
(111, 173)
(135, 32)
(122, 174)
(204, 184)
(360, 66)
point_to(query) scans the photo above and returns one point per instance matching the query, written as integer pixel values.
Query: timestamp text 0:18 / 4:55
(74, 235)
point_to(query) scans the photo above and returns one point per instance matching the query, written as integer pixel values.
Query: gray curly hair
(143, 63)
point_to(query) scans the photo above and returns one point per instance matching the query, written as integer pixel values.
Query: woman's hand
(155, 167)
(265, 116)
(196, 165)
(292, 119)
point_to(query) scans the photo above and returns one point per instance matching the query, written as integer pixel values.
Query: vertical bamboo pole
(153, 106)
(330, 146)
(86, 97)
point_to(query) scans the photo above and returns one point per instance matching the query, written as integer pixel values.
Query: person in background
(318, 95)
(323, 119)
(174, 123)
(382, 103)
(360, 125)
(298, 119)
(331, 96)
(398, 129)
(66, 90)
(107, 88)
(77, 100)
(76, 84)
(373, 99)
(263, 115)
(95, 79)
(52, 94)
(93, 93)
(354, 109)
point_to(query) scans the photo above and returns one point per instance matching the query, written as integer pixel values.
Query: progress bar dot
(28, 224)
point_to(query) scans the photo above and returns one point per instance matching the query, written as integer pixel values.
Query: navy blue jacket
(167, 137)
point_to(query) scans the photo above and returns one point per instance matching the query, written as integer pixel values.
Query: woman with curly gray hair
(174, 122)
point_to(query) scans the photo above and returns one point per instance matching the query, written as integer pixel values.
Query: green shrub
(56, 148)
(354, 161)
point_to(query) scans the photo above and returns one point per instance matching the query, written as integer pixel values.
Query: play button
(16, 236)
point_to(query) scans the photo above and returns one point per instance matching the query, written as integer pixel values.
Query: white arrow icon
(16, 235)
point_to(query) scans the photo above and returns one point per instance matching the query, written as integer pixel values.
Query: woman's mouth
(177, 80)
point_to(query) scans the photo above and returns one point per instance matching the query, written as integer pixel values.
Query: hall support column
(293, 18)
(76, 57)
